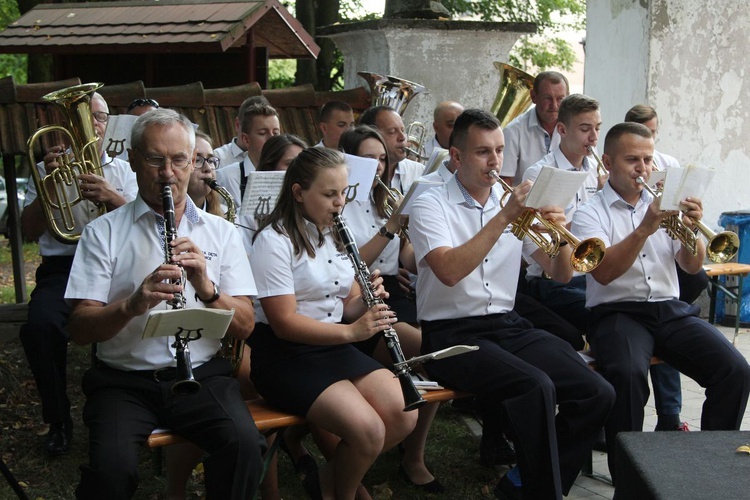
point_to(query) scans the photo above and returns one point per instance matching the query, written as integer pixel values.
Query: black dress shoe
(57, 441)
(496, 450)
(434, 487)
(506, 490)
(311, 483)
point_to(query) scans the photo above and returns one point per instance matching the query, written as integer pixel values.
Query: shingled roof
(144, 26)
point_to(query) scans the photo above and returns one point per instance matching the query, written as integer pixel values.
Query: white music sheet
(362, 173)
(210, 323)
(261, 193)
(686, 182)
(555, 187)
(117, 137)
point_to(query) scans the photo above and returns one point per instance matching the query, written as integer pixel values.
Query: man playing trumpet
(468, 263)
(633, 296)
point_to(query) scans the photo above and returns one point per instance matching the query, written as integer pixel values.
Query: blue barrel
(739, 222)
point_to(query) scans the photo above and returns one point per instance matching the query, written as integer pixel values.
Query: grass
(451, 449)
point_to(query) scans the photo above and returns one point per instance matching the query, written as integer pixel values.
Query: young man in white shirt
(118, 276)
(468, 263)
(578, 127)
(633, 296)
(234, 150)
(533, 134)
(336, 117)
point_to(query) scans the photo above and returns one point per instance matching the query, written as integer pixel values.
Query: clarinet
(412, 398)
(185, 383)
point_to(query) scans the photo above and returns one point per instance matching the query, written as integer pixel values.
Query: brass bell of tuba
(59, 191)
(391, 91)
(514, 94)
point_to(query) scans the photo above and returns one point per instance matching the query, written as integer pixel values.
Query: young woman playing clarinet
(382, 245)
(302, 358)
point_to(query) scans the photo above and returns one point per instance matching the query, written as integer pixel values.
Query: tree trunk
(311, 14)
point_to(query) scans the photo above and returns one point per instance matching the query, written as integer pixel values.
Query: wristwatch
(214, 297)
(384, 232)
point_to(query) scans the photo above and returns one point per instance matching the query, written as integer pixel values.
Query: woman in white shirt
(382, 245)
(302, 360)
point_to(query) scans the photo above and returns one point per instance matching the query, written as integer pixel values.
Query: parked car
(21, 185)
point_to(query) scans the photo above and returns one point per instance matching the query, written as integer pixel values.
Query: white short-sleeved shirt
(430, 146)
(558, 160)
(364, 222)
(664, 162)
(117, 173)
(653, 276)
(442, 217)
(229, 153)
(319, 284)
(525, 145)
(442, 174)
(229, 177)
(119, 249)
(407, 171)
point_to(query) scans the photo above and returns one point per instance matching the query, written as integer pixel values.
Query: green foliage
(11, 64)
(281, 73)
(532, 52)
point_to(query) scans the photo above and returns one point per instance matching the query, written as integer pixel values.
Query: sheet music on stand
(261, 193)
(684, 182)
(117, 137)
(210, 323)
(362, 172)
(556, 187)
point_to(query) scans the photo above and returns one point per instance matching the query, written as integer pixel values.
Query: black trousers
(45, 338)
(625, 335)
(520, 375)
(122, 408)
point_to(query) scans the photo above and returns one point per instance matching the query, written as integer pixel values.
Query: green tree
(533, 52)
(11, 64)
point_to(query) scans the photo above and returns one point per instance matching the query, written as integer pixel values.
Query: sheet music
(656, 177)
(362, 173)
(555, 187)
(417, 188)
(690, 181)
(438, 156)
(261, 193)
(212, 323)
(117, 137)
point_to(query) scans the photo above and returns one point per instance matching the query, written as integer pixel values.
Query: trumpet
(586, 255)
(416, 135)
(721, 247)
(185, 383)
(601, 170)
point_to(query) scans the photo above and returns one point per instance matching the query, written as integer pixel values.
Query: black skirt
(291, 376)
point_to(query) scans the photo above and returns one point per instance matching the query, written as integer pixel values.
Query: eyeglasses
(178, 162)
(213, 161)
(100, 116)
(142, 102)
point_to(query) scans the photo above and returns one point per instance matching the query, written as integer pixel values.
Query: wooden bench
(269, 419)
(733, 292)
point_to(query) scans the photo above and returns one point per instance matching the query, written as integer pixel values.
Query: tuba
(514, 94)
(59, 191)
(390, 91)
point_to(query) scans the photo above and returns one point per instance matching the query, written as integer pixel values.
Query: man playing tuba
(44, 336)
